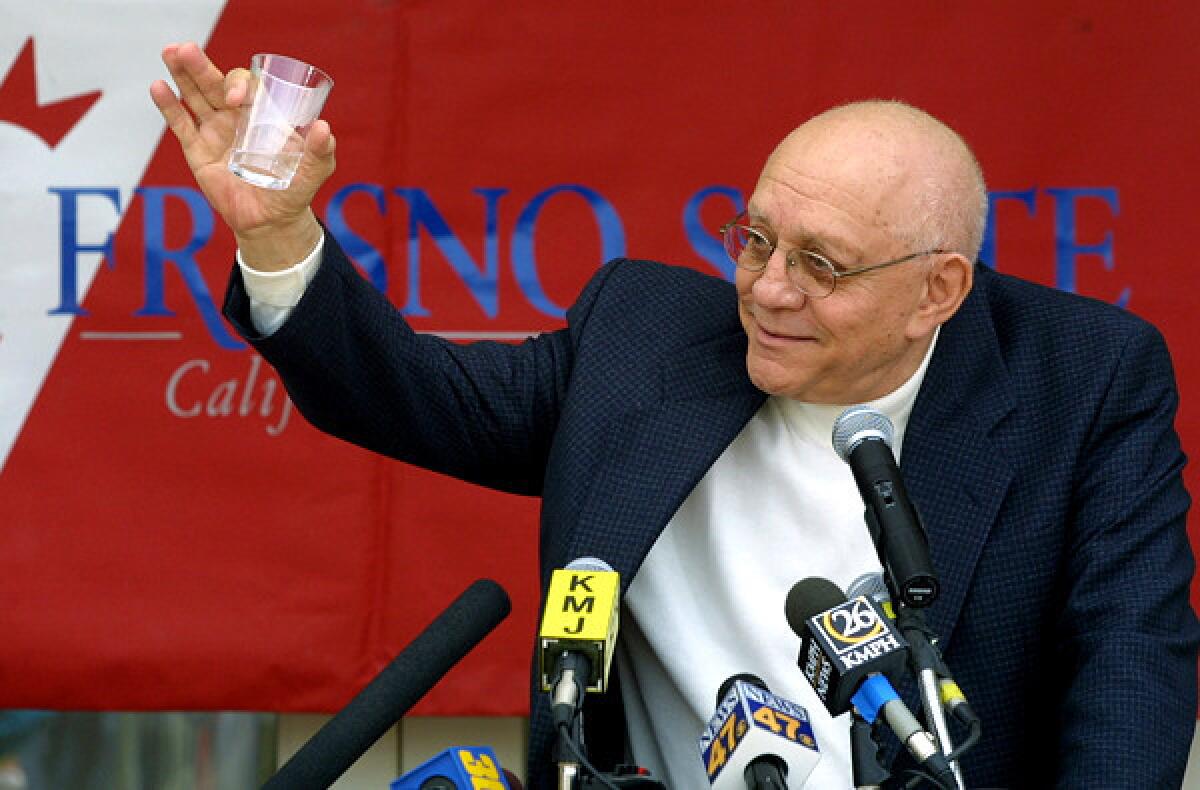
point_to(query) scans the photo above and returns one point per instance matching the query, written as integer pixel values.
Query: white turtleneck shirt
(778, 506)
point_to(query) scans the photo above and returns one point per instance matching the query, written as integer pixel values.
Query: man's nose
(774, 288)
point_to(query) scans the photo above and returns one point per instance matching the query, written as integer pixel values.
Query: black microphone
(847, 652)
(862, 438)
(383, 701)
(842, 642)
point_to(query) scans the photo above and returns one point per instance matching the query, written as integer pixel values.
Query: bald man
(679, 429)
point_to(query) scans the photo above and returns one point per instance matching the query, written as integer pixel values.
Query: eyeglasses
(810, 272)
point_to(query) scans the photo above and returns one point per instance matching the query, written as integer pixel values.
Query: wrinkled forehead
(849, 183)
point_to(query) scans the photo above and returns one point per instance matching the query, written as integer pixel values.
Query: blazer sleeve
(483, 412)
(1127, 638)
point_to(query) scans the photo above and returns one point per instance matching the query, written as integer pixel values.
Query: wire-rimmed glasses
(809, 271)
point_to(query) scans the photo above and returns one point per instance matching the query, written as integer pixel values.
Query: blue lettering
(705, 241)
(355, 246)
(482, 283)
(70, 247)
(612, 242)
(1029, 197)
(158, 255)
(1067, 247)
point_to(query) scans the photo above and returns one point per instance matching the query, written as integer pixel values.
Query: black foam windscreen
(407, 678)
(753, 680)
(808, 598)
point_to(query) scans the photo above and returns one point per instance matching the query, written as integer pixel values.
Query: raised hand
(274, 228)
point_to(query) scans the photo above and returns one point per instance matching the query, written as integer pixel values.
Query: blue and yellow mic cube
(459, 767)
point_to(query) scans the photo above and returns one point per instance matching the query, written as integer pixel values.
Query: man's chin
(775, 379)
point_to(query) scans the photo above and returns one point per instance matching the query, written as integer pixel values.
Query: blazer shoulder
(656, 282)
(1061, 355)
(1028, 315)
(649, 296)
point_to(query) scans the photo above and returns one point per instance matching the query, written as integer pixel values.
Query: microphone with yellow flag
(578, 632)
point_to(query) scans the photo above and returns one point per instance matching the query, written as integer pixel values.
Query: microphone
(925, 653)
(757, 740)
(862, 437)
(847, 651)
(457, 768)
(578, 633)
(409, 676)
(939, 691)
(842, 642)
(874, 587)
(575, 650)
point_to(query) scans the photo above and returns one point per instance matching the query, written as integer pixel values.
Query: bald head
(871, 188)
(913, 173)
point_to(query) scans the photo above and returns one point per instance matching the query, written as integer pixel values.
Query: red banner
(176, 536)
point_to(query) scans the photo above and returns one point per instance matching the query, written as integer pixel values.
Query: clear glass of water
(288, 95)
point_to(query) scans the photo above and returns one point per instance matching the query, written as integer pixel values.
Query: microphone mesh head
(856, 424)
(588, 564)
(871, 585)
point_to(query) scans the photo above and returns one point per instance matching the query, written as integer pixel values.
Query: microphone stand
(568, 763)
(568, 720)
(626, 777)
(570, 751)
(927, 662)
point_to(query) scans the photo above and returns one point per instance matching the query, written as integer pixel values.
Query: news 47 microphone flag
(753, 725)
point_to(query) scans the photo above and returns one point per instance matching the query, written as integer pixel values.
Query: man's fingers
(238, 86)
(207, 77)
(194, 76)
(177, 118)
(189, 92)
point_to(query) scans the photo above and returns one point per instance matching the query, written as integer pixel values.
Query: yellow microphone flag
(581, 616)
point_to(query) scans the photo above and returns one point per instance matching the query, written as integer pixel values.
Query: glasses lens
(747, 247)
(811, 273)
(735, 241)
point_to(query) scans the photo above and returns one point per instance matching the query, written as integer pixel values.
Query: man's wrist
(277, 248)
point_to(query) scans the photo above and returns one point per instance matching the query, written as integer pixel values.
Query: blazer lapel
(955, 471)
(663, 451)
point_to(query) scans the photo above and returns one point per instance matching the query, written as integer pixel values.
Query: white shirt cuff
(274, 294)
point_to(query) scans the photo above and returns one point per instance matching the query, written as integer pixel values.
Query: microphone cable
(564, 732)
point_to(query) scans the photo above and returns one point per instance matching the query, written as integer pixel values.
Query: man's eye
(818, 256)
(815, 263)
(757, 242)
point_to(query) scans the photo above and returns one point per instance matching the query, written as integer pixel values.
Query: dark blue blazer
(1040, 451)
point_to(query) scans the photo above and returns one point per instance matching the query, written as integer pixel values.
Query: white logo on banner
(80, 47)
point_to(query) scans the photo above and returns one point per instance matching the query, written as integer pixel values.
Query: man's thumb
(318, 163)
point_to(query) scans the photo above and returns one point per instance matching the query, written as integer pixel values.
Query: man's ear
(946, 286)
